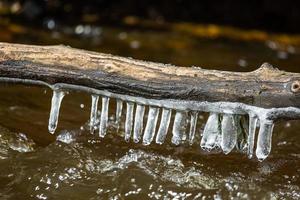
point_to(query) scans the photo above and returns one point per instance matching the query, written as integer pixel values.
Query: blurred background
(229, 35)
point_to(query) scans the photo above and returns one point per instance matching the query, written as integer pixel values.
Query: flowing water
(75, 163)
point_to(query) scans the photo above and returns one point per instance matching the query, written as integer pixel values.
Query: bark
(265, 87)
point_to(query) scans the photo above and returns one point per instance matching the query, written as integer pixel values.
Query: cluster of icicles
(222, 131)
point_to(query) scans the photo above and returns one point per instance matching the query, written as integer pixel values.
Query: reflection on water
(75, 165)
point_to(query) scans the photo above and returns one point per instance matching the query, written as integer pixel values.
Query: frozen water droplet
(119, 113)
(138, 122)
(229, 133)
(104, 117)
(193, 124)
(66, 137)
(93, 115)
(151, 125)
(211, 133)
(164, 125)
(57, 97)
(251, 136)
(242, 125)
(264, 140)
(179, 127)
(129, 120)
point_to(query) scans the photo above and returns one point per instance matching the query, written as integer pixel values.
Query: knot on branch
(267, 68)
(295, 87)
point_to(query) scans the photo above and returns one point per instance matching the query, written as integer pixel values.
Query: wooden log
(265, 87)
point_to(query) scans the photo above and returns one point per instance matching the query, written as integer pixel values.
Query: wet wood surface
(264, 87)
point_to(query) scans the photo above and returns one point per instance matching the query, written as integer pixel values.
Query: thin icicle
(119, 113)
(193, 124)
(164, 125)
(178, 130)
(104, 117)
(264, 141)
(151, 125)
(211, 133)
(57, 98)
(129, 120)
(242, 125)
(93, 115)
(229, 133)
(251, 137)
(138, 122)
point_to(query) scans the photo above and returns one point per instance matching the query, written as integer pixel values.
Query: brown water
(35, 165)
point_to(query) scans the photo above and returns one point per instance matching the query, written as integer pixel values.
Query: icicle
(211, 133)
(179, 127)
(57, 97)
(93, 115)
(138, 122)
(119, 113)
(193, 124)
(104, 117)
(264, 141)
(151, 125)
(251, 136)
(242, 126)
(129, 120)
(164, 125)
(229, 133)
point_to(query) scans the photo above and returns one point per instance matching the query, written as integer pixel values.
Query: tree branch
(265, 87)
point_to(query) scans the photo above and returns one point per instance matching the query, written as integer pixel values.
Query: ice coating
(57, 98)
(211, 133)
(264, 140)
(93, 114)
(183, 105)
(164, 126)
(138, 122)
(229, 133)
(242, 125)
(251, 135)
(193, 124)
(119, 113)
(129, 120)
(151, 125)
(104, 117)
(179, 127)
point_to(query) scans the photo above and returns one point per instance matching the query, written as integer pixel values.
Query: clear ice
(179, 127)
(129, 120)
(242, 124)
(264, 140)
(193, 124)
(57, 97)
(151, 125)
(164, 125)
(229, 133)
(93, 115)
(119, 113)
(211, 133)
(104, 117)
(138, 122)
(251, 134)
